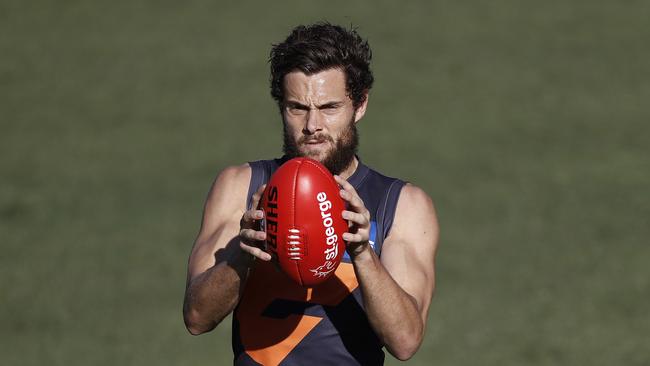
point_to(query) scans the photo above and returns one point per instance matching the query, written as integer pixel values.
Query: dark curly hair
(318, 47)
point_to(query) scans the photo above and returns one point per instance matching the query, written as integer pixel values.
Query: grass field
(526, 121)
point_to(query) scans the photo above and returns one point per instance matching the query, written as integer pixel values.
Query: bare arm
(397, 288)
(222, 253)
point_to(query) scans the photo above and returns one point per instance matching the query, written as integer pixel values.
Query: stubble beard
(337, 159)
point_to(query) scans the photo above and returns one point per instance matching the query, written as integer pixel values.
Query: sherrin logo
(270, 224)
(332, 249)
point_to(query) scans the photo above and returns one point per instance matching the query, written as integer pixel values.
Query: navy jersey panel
(278, 322)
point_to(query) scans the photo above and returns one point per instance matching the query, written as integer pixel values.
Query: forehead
(324, 86)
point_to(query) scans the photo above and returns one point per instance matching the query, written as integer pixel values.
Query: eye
(330, 109)
(296, 110)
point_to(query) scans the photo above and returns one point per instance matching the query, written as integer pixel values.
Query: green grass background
(526, 121)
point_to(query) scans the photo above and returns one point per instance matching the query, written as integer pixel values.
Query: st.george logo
(332, 249)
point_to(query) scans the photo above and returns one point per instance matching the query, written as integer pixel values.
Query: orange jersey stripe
(268, 340)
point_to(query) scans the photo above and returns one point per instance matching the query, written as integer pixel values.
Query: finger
(255, 252)
(355, 202)
(250, 216)
(356, 237)
(349, 194)
(357, 218)
(251, 235)
(257, 196)
(247, 220)
(343, 183)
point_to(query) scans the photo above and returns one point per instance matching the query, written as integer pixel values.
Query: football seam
(327, 173)
(293, 213)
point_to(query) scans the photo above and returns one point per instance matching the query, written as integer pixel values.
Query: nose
(314, 122)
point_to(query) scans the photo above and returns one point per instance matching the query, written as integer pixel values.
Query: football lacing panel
(296, 248)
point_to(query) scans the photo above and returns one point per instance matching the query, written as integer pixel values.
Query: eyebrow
(332, 104)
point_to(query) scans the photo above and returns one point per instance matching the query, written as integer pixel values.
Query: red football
(303, 223)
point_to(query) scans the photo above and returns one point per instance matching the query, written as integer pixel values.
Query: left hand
(358, 218)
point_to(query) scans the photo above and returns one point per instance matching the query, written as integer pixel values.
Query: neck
(352, 167)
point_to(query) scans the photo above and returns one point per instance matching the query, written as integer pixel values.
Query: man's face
(320, 119)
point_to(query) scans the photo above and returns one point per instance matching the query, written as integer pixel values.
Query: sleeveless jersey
(278, 322)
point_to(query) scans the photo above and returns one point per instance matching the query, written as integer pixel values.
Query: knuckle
(245, 221)
(245, 234)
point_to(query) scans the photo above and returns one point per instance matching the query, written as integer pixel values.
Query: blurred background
(526, 121)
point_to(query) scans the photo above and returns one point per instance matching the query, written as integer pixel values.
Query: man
(380, 294)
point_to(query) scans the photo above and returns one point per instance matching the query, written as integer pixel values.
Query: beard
(337, 158)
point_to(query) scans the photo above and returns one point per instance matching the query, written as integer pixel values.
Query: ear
(361, 110)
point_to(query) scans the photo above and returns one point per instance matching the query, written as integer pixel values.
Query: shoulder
(411, 199)
(234, 175)
(414, 196)
(229, 190)
(232, 178)
(415, 209)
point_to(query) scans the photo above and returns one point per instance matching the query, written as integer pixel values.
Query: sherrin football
(303, 222)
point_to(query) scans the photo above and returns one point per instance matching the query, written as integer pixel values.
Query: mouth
(314, 142)
(314, 148)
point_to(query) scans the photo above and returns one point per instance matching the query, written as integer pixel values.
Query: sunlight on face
(317, 113)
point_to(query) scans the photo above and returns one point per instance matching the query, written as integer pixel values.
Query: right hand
(251, 240)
